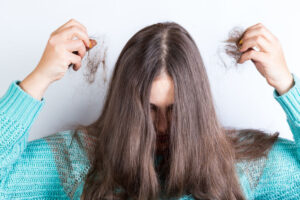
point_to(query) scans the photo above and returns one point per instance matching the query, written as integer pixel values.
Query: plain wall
(242, 97)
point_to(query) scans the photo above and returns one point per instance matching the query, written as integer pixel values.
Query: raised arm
(270, 62)
(279, 178)
(18, 109)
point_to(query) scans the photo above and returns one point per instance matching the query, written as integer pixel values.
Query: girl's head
(160, 88)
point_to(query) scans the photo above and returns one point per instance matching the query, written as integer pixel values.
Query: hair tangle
(231, 47)
(95, 58)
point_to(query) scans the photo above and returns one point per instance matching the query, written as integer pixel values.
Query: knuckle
(78, 59)
(245, 35)
(261, 30)
(258, 38)
(76, 23)
(260, 24)
(72, 20)
(52, 40)
(54, 34)
(82, 47)
(73, 28)
(82, 53)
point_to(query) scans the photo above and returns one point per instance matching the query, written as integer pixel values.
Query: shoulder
(249, 173)
(281, 173)
(280, 163)
(284, 152)
(72, 153)
(39, 164)
(71, 141)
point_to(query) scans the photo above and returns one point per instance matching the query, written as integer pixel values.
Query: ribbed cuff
(19, 105)
(290, 101)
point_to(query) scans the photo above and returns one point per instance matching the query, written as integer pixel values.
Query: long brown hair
(201, 155)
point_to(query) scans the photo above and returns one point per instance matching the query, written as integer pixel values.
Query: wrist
(285, 85)
(35, 85)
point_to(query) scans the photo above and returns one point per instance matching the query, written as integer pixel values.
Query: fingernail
(241, 42)
(90, 45)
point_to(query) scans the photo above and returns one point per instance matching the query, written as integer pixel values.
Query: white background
(242, 97)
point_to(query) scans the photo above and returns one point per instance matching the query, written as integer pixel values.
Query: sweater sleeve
(290, 102)
(18, 110)
(58, 162)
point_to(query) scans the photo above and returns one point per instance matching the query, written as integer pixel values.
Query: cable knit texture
(54, 167)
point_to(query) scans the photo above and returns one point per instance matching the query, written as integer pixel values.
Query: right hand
(269, 60)
(57, 57)
(58, 52)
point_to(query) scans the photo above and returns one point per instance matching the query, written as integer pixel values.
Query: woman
(158, 135)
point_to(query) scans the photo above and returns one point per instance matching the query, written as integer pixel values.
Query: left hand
(269, 60)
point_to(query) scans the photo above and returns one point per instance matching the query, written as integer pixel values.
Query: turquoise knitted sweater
(54, 167)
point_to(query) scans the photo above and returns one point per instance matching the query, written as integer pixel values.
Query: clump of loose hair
(232, 43)
(96, 57)
(231, 46)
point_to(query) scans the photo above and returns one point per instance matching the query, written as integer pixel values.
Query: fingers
(257, 36)
(71, 22)
(269, 61)
(259, 29)
(72, 31)
(76, 45)
(255, 41)
(253, 55)
(75, 59)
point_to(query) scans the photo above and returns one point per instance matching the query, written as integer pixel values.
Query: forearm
(290, 102)
(18, 111)
(35, 85)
